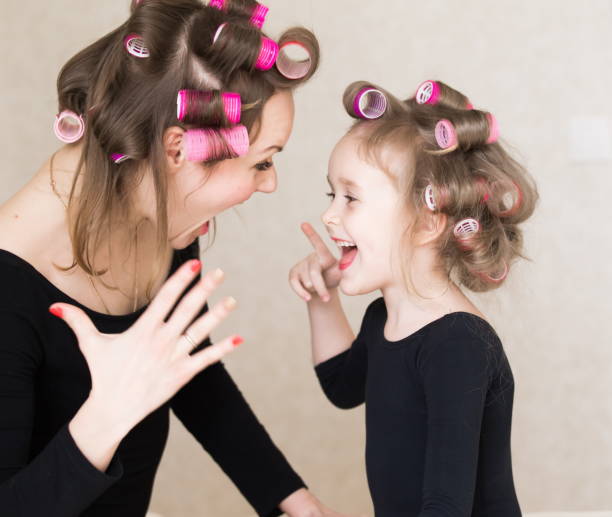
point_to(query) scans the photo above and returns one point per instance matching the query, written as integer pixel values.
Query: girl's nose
(328, 217)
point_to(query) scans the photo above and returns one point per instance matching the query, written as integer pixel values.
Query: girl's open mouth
(349, 252)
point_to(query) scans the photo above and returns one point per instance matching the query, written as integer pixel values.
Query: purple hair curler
(258, 17)
(187, 100)
(119, 158)
(493, 129)
(203, 144)
(293, 68)
(446, 136)
(370, 103)
(69, 127)
(428, 92)
(135, 46)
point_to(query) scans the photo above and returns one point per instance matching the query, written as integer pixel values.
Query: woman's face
(197, 194)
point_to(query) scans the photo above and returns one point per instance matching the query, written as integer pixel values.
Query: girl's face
(364, 213)
(193, 202)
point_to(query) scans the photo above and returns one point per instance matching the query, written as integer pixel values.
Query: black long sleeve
(438, 415)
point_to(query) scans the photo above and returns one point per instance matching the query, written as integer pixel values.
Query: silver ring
(190, 339)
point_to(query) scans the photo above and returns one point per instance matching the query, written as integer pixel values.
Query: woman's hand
(304, 504)
(135, 372)
(318, 272)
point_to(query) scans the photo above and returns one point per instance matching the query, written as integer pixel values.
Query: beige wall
(537, 66)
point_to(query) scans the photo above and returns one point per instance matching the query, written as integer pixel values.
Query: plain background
(544, 69)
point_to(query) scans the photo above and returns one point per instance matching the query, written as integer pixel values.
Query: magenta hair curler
(370, 103)
(258, 17)
(217, 4)
(119, 158)
(69, 127)
(446, 136)
(188, 100)
(203, 144)
(493, 129)
(135, 46)
(428, 92)
(267, 54)
(293, 68)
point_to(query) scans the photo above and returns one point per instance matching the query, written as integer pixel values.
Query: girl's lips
(348, 256)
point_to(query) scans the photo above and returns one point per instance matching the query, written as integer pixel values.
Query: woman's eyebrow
(272, 148)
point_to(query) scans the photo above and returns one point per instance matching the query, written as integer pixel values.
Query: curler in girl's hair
(217, 4)
(190, 102)
(517, 202)
(209, 144)
(446, 136)
(268, 52)
(432, 92)
(293, 68)
(464, 231)
(135, 46)
(428, 92)
(258, 18)
(493, 129)
(430, 201)
(119, 158)
(497, 278)
(369, 103)
(69, 127)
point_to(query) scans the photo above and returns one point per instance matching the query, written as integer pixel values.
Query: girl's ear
(431, 226)
(173, 147)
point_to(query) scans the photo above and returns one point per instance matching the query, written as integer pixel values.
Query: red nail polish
(237, 341)
(196, 266)
(56, 311)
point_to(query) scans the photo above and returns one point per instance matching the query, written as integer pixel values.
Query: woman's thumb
(76, 319)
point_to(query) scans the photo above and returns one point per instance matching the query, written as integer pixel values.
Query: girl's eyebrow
(345, 181)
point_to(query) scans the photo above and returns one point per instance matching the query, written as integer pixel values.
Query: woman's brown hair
(129, 102)
(474, 179)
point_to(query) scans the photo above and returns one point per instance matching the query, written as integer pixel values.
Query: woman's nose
(268, 182)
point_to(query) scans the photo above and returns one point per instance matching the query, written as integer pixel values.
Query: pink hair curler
(469, 106)
(430, 201)
(217, 4)
(218, 33)
(498, 278)
(518, 202)
(493, 129)
(370, 103)
(69, 127)
(446, 136)
(187, 100)
(258, 18)
(135, 46)
(464, 232)
(293, 68)
(267, 54)
(203, 144)
(428, 92)
(119, 158)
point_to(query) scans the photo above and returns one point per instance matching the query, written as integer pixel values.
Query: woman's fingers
(169, 294)
(326, 258)
(193, 301)
(77, 320)
(212, 354)
(202, 327)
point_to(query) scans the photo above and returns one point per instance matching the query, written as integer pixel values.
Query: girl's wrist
(301, 504)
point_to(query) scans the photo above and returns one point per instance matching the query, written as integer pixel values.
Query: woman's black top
(44, 379)
(438, 415)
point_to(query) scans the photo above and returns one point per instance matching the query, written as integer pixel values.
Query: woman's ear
(431, 226)
(173, 147)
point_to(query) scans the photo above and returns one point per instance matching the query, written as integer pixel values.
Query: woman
(93, 237)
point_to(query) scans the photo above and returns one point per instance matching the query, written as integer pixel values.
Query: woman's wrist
(301, 504)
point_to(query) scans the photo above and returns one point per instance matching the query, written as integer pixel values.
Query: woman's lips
(203, 229)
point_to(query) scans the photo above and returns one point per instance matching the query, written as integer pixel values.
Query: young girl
(424, 199)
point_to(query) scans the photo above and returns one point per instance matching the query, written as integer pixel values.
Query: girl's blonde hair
(470, 180)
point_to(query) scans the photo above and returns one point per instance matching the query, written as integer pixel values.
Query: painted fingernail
(230, 303)
(237, 341)
(196, 266)
(218, 274)
(56, 311)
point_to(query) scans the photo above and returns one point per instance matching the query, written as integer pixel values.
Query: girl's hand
(303, 503)
(318, 272)
(135, 372)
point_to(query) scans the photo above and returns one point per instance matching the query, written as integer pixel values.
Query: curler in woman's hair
(370, 103)
(446, 136)
(217, 4)
(493, 129)
(428, 92)
(293, 68)
(268, 52)
(513, 207)
(69, 127)
(497, 278)
(135, 46)
(190, 102)
(430, 201)
(119, 158)
(209, 144)
(258, 18)
(464, 231)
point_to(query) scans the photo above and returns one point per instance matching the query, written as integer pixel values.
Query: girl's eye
(264, 166)
(350, 198)
(331, 195)
(346, 196)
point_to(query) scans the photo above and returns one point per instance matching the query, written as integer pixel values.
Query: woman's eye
(264, 166)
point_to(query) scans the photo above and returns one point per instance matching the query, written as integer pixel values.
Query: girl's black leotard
(44, 380)
(438, 415)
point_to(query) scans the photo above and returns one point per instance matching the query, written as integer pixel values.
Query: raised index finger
(321, 249)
